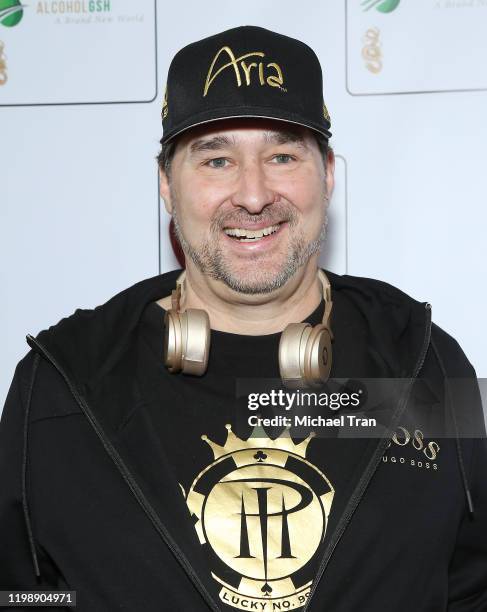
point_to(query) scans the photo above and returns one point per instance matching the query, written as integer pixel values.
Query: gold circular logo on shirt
(262, 509)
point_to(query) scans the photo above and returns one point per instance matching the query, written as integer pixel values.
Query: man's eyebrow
(284, 137)
(217, 143)
(211, 144)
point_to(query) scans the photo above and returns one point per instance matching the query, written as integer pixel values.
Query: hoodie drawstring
(461, 463)
(25, 504)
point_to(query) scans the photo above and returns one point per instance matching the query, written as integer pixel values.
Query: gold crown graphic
(258, 439)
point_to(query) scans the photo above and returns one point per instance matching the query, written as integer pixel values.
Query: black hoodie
(82, 507)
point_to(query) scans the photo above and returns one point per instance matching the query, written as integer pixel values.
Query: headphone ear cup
(173, 341)
(195, 339)
(305, 355)
(317, 358)
(292, 346)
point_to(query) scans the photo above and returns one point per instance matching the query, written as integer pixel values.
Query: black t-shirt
(262, 502)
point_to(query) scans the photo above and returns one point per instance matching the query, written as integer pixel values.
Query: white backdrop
(81, 86)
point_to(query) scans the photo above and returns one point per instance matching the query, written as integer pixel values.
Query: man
(144, 487)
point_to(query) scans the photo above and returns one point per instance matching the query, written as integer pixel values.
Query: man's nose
(252, 190)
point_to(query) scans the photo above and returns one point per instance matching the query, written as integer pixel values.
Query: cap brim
(251, 113)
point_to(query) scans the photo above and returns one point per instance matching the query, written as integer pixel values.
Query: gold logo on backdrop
(164, 105)
(3, 66)
(261, 509)
(371, 51)
(267, 74)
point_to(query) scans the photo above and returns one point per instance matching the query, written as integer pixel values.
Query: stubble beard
(211, 261)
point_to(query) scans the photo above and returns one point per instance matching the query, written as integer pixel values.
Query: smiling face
(249, 198)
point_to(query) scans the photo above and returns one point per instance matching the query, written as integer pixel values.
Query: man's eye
(283, 158)
(218, 162)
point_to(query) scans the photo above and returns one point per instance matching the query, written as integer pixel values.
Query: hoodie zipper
(372, 466)
(129, 479)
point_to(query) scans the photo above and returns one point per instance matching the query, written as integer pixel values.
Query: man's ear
(164, 190)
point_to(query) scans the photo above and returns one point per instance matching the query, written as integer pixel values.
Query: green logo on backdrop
(11, 12)
(384, 6)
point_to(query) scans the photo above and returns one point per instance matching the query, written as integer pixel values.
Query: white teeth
(246, 235)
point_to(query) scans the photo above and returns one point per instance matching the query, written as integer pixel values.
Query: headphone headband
(178, 293)
(304, 350)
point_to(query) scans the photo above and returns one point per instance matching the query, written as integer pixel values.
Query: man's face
(248, 199)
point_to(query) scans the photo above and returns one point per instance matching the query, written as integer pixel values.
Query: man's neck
(247, 314)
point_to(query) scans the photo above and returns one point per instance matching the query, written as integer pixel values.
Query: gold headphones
(304, 351)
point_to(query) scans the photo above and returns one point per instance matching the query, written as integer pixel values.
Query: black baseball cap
(244, 72)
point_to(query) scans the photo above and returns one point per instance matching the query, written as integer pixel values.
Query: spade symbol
(266, 589)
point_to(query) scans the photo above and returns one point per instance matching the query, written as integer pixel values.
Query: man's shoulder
(374, 288)
(376, 297)
(449, 350)
(88, 341)
(42, 385)
(116, 303)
